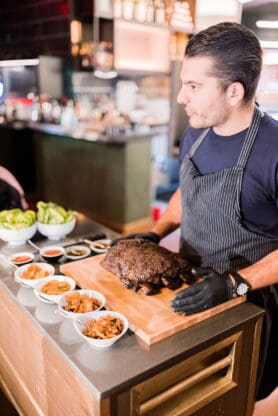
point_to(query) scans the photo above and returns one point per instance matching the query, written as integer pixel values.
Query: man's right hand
(153, 237)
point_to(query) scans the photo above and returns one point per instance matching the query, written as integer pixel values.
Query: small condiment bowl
(52, 253)
(54, 298)
(21, 258)
(34, 270)
(90, 293)
(100, 246)
(81, 325)
(77, 252)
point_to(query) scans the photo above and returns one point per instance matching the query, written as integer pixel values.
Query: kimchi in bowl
(30, 274)
(77, 303)
(101, 329)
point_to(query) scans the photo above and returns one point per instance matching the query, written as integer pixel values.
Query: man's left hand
(212, 291)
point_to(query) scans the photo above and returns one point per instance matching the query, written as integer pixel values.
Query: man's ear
(235, 93)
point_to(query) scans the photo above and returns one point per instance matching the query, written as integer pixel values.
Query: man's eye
(193, 87)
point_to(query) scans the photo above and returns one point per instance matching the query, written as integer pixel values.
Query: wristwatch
(241, 285)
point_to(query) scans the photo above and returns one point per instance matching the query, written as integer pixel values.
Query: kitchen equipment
(150, 317)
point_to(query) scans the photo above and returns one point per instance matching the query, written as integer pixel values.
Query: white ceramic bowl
(77, 252)
(80, 326)
(22, 257)
(18, 237)
(32, 282)
(56, 231)
(74, 315)
(52, 253)
(100, 246)
(53, 298)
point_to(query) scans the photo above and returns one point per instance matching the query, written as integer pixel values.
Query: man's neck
(239, 119)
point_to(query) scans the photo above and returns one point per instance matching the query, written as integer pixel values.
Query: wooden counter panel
(35, 373)
(150, 317)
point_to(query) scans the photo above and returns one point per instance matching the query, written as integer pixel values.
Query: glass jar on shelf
(127, 9)
(140, 10)
(118, 8)
(150, 12)
(104, 55)
(160, 13)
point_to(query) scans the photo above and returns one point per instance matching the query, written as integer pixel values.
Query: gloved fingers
(127, 237)
(201, 271)
(193, 307)
(188, 300)
(189, 291)
(155, 238)
(146, 236)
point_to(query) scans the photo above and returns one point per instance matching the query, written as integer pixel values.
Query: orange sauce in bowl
(55, 287)
(21, 259)
(54, 252)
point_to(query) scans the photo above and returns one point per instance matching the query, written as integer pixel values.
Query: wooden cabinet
(214, 378)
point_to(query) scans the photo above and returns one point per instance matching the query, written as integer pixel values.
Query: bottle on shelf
(140, 10)
(118, 8)
(127, 9)
(160, 13)
(150, 12)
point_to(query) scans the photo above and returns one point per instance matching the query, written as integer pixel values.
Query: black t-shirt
(259, 194)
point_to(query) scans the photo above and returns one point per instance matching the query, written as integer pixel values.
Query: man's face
(201, 94)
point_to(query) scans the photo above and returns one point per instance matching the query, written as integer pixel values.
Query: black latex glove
(146, 236)
(212, 291)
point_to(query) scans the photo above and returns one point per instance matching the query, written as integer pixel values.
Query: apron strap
(195, 145)
(249, 138)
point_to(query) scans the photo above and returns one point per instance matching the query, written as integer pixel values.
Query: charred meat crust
(147, 267)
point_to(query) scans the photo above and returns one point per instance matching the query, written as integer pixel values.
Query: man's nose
(181, 98)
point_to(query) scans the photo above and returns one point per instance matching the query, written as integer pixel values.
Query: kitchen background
(93, 68)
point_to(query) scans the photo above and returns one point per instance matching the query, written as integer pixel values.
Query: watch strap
(241, 286)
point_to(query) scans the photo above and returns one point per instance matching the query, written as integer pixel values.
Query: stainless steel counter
(126, 363)
(81, 133)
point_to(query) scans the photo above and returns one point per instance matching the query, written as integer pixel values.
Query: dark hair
(236, 52)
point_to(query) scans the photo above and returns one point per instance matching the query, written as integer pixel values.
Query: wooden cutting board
(150, 317)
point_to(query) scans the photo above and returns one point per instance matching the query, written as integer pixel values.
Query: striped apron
(212, 233)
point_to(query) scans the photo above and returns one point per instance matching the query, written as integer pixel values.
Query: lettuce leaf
(51, 213)
(16, 219)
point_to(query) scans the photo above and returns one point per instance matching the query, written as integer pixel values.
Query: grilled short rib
(146, 267)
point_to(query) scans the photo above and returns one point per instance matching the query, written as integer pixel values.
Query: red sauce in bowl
(21, 259)
(54, 252)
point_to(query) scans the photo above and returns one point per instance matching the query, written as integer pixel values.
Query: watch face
(242, 289)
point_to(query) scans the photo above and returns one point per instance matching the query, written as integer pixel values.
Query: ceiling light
(267, 24)
(271, 44)
(19, 62)
(75, 31)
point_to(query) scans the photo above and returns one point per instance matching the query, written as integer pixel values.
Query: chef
(227, 202)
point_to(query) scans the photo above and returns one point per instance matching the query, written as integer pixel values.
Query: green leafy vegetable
(51, 213)
(16, 219)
